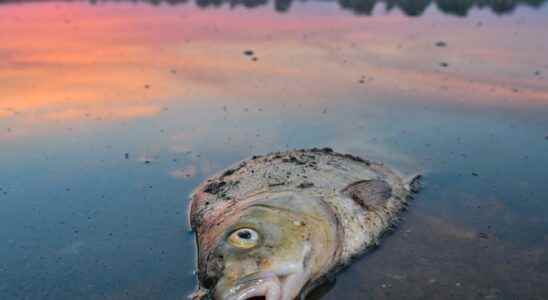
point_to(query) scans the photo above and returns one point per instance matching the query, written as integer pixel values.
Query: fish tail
(413, 183)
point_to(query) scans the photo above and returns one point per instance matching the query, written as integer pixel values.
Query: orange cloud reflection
(73, 61)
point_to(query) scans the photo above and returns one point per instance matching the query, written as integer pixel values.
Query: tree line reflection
(412, 8)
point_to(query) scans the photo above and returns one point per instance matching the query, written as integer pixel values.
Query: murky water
(111, 112)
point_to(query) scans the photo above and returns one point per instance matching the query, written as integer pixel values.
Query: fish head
(271, 249)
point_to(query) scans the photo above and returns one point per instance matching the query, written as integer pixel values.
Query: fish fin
(369, 194)
(199, 294)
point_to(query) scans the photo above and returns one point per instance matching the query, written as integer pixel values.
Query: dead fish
(273, 227)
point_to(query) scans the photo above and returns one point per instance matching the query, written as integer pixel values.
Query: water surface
(111, 112)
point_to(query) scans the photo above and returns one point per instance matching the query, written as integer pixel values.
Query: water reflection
(132, 62)
(413, 8)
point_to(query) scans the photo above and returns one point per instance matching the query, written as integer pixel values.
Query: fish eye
(244, 238)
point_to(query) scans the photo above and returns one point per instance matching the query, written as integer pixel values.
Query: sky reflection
(132, 61)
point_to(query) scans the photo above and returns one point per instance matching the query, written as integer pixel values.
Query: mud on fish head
(270, 250)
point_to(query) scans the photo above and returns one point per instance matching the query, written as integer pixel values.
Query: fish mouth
(264, 286)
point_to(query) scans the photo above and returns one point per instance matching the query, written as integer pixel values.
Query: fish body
(273, 226)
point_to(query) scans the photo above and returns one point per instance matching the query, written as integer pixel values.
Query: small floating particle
(126, 155)
(441, 44)
(147, 161)
(147, 86)
(444, 64)
(475, 174)
(483, 235)
(248, 52)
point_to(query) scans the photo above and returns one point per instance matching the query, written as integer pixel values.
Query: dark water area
(112, 112)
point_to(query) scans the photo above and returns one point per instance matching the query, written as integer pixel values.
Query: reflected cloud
(105, 113)
(5, 114)
(90, 63)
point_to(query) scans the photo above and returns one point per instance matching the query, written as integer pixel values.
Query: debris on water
(126, 155)
(546, 137)
(254, 59)
(444, 64)
(475, 174)
(249, 52)
(537, 73)
(483, 235)
(147, 86)
(173, 71)
(441, 44)
(147, 162)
